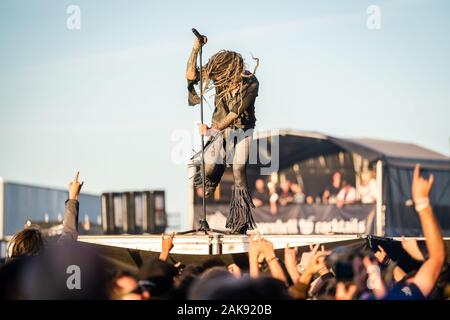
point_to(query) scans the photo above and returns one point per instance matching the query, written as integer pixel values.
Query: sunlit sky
(107, 99)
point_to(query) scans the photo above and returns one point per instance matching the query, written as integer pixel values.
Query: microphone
(198, 35)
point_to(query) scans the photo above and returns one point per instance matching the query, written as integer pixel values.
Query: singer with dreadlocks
(233, 121)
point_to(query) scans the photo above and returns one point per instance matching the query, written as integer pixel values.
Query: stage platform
(211, 244)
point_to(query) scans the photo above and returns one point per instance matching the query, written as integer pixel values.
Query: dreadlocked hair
(226, 69)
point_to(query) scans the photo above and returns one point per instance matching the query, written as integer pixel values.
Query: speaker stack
(134, 212)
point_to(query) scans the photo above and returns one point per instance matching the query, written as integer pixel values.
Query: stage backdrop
(300, 219)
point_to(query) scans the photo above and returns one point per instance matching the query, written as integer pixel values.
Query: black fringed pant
(231, 148)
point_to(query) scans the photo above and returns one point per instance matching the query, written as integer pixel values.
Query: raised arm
(191, 68)
(312, 262)
(254, 249)
(70, 222)
(166, 246)
(290, 261)
(192, 73)
(272, 261)
(428, 273)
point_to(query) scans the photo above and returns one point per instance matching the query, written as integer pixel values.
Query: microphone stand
(203, 223)
(204, 226)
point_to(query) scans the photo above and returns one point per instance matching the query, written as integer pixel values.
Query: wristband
(272, 259)
(421, 204)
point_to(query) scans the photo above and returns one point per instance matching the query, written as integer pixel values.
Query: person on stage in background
(232, 122)
(260, 195)
(329, 195)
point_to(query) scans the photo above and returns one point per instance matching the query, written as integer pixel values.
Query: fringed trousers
(231, 148)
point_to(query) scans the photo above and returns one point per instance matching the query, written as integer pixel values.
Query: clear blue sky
(106, 99)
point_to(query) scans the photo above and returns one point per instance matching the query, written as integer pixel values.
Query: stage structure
(310, 158)
(209, 244)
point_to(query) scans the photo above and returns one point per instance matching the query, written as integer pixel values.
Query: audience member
(309, 200)
(285, 193)
(329, 194)
(260, 195)
(346, 196)
(299, 196)
(28, 242)
(367, 189)
(126, 287)
(344, 273)
(421, 284)
(273, 198)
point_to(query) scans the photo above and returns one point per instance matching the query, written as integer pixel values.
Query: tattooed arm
(192, 74)
(225, 122)
(219, 126)
(239, 107)
(191, 68)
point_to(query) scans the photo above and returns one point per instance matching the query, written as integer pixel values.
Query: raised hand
(306, 256)
(197, 43)
(290, 256)
(374, 279)
(290, 261)
(271, 258)
(421, 187)
(381, 255)
(75, 187)
(167, 242)
(316, 261)
(267, 249)
(254, 250)
(166, 246)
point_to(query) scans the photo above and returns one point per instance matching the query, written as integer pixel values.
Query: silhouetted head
(264, 288)
(28, 242)
(69, 271)
(158, 275)
(11, 278)
(209, 281)
(213, 262)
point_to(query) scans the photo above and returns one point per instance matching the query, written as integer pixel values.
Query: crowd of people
(37, 269)
(340, 193)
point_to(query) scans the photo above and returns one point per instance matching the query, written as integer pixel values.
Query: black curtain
(402, 219)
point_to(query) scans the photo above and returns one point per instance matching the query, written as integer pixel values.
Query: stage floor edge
(209, 244)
